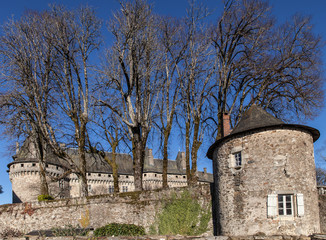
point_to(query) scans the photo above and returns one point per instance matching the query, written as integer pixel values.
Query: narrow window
(155, 175)
(61, 184)
(145, 175)
(238, 159)
(22, 165)
(285, 205)
(89, 174)
(33, 164)
(124, 188)
(109, 175)
(99, 175)
(89, 187)
(111, 189)
(184, 176)
(127, 176)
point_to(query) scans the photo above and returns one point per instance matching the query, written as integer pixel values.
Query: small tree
(321, 176)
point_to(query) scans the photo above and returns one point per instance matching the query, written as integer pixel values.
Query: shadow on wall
(15, 198)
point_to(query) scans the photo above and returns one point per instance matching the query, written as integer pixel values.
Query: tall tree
(173, 49)
(131, 72)
(27, 59)
(57, 76)
(196, 84)
(276, 67)
(76, 35)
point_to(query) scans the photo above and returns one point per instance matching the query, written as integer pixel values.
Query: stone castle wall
(273, 162)
(140, 208)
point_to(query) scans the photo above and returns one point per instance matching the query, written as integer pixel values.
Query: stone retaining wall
(140, 208)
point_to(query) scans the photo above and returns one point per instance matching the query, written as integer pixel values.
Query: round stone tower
(24, 174)
(265, 181)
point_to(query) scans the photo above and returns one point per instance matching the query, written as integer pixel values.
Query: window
(238, 160)
(285, 205)
(61, 184)
(99, 174)
(111, 189)
(127, 176)
(89, 187)
(22, 165)
(124, 188)
(33, 164)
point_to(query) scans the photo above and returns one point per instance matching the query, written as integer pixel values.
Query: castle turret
(264, 173)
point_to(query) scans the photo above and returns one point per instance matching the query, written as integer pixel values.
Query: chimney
(226, 124)
(17, 147)
(149, 160)
(205, 170)
(181, 160)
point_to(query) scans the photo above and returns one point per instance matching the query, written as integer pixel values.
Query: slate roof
(95, 164)
(256, 118)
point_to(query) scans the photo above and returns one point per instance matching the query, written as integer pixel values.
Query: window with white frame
(111, 189)
(284, 205)
(124, 188)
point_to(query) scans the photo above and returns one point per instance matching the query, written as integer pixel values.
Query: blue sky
(282, 9)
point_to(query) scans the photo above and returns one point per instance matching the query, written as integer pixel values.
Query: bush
(118, 229)
(41, 198)
(184, 216)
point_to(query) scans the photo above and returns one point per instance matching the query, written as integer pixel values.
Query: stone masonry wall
(322, 212)
(140, 208)
(275, 161)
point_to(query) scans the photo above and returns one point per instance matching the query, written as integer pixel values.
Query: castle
(265, 178)
(264, 182)
(25, 179)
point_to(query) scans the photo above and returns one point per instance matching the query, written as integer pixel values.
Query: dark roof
(96, 164)
(256, 118)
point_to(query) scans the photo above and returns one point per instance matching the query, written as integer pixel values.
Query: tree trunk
(165, 159)
(44, 189)
(138, 153)
(188, 153)
(114, 167)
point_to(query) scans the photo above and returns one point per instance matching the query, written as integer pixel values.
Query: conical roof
(257, 118)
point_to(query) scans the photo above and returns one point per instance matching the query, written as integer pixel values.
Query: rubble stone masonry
(274, 161)
(140, 208)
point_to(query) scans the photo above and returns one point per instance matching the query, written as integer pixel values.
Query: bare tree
(196, 85)
(321, 176)
(56, 77)
(111, 130)
(131, 72)
(173, 49)
(274, 67)
(27, 62)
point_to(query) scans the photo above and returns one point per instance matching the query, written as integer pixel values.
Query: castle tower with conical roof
(264, 174)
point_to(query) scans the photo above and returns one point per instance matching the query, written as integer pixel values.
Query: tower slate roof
(256, 118)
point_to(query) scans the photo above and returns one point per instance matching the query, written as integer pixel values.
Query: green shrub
(117, 229)
(41, 198)
(184, 216)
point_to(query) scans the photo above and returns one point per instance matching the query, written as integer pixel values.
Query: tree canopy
(160, 75)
